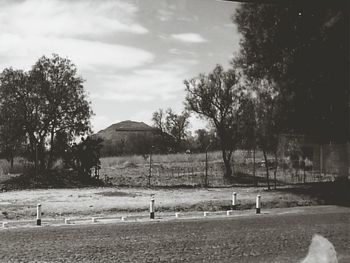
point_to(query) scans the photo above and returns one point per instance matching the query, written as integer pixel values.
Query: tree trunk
(11, 160)
(41, 156)
(275, 172)
(254, 168)
(49, 163)
(267, 170)
(228, 169)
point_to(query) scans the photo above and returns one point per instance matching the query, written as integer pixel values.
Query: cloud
(81, 30)
(159, 82)
(189, 38)
(23, 51)
(68, 18)
(176, 51)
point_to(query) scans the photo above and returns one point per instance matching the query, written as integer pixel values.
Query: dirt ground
(112, 201)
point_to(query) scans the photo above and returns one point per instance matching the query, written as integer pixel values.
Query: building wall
(327, 159)
(334, 159)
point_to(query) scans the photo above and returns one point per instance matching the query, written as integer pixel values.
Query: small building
(324, 159)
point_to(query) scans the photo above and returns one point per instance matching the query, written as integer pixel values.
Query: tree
(301, 46)
(170, 123)
(63, 107)
(203, 139)
(84, 156)
(50, 100)
(218, 98)
(12, 134)
(176, 125)
(266, 111)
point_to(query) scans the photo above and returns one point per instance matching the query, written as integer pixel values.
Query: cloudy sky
(133, 54)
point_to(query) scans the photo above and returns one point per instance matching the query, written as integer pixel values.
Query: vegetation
(174, 125)
(219, 97)
(300, 47)
(283, 80)
(85, 156)
(42, 112)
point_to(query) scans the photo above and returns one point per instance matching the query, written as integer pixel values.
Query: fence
(192, 171)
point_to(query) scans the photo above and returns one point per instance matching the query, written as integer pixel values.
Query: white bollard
(123, 218)
(258, 204)
(67, 221)
(177, 215)
(228, 213)
(151, 207)
(206, 213)
(94, 220)
(234, 200)
(38, 215)
(4, 224)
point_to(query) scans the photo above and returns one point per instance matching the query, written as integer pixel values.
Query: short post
(4, 224)
(206, 214)
(151, 207)
(123, 218)
(234, 200)
(38, 215)
(67, 221)
(177, 215)
(93, 219)
(258, 204)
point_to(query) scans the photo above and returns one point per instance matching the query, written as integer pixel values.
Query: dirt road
(260, 238)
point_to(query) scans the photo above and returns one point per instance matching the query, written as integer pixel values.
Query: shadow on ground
(51, 179)
(329, 193)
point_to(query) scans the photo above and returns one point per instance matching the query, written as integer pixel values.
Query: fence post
(234, 200)
(151, 207)
(258, 204)
(38, 215)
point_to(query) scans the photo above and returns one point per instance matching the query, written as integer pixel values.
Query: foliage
(303, 48)
(46, 102)
(12, 134)
(218, 98)
(267, 110)
(84, 156)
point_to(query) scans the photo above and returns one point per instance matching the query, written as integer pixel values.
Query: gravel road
(258, 238)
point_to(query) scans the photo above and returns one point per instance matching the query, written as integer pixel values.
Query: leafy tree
(203, 139)
(218, 98)
(301, 46)
(12, 134)
(63, 108)
(85, 155)
(266, 111)
(49, 100)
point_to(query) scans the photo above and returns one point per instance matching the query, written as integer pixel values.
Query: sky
(133, 54)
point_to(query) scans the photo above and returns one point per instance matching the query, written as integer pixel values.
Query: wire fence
(198, 173)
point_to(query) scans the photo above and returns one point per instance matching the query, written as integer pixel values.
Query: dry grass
(93, 201)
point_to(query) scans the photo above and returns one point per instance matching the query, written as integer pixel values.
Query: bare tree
(173, 125)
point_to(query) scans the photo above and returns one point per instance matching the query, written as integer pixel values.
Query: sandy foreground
(112, 200)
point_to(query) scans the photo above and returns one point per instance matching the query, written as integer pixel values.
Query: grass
(173, 170)
(168, 170)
